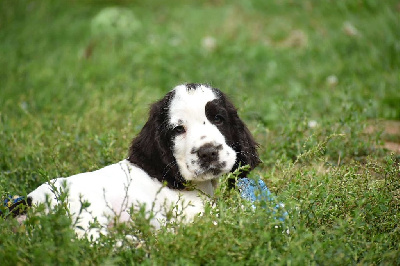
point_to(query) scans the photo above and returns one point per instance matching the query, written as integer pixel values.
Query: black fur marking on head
(151, 150)
(223, 114)
(192, 86)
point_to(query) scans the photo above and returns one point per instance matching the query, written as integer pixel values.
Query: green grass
(73, 95)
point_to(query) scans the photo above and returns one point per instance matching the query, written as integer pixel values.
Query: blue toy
(253, 191)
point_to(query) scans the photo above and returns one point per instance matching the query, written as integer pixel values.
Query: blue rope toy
(253, 191)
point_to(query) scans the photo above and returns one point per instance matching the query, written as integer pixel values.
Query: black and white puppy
(193, 135)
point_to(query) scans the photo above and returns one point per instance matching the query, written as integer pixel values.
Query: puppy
(193, 136)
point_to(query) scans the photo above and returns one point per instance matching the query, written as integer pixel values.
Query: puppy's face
(200, 133)
(193, 133)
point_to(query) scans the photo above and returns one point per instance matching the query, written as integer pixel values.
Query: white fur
(113, 189)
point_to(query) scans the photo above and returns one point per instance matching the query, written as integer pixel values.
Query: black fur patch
(192, 86)
(236, 134)
(151, 150)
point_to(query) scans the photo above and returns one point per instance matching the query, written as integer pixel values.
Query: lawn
(317, 82)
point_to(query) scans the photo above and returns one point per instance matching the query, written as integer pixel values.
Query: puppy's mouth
(214, 169)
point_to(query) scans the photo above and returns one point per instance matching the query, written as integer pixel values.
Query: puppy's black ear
(151, 149)
(243, 142)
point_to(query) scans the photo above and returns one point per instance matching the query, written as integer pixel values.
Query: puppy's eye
(179, 130)
(218, 119)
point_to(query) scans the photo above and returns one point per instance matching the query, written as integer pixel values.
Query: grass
(308, 77)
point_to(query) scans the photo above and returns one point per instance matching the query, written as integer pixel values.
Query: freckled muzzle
(209, 159)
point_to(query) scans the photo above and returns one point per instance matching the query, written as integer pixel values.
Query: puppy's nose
(208, 153)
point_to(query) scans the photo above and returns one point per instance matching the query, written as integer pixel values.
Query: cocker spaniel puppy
(193, 136)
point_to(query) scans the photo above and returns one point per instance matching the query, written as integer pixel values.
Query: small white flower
(332, 80)
(312, 124)
(209, 43)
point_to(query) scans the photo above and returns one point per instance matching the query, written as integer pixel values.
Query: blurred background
(322, 51)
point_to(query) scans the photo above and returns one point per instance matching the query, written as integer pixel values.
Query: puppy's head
(193, 134)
